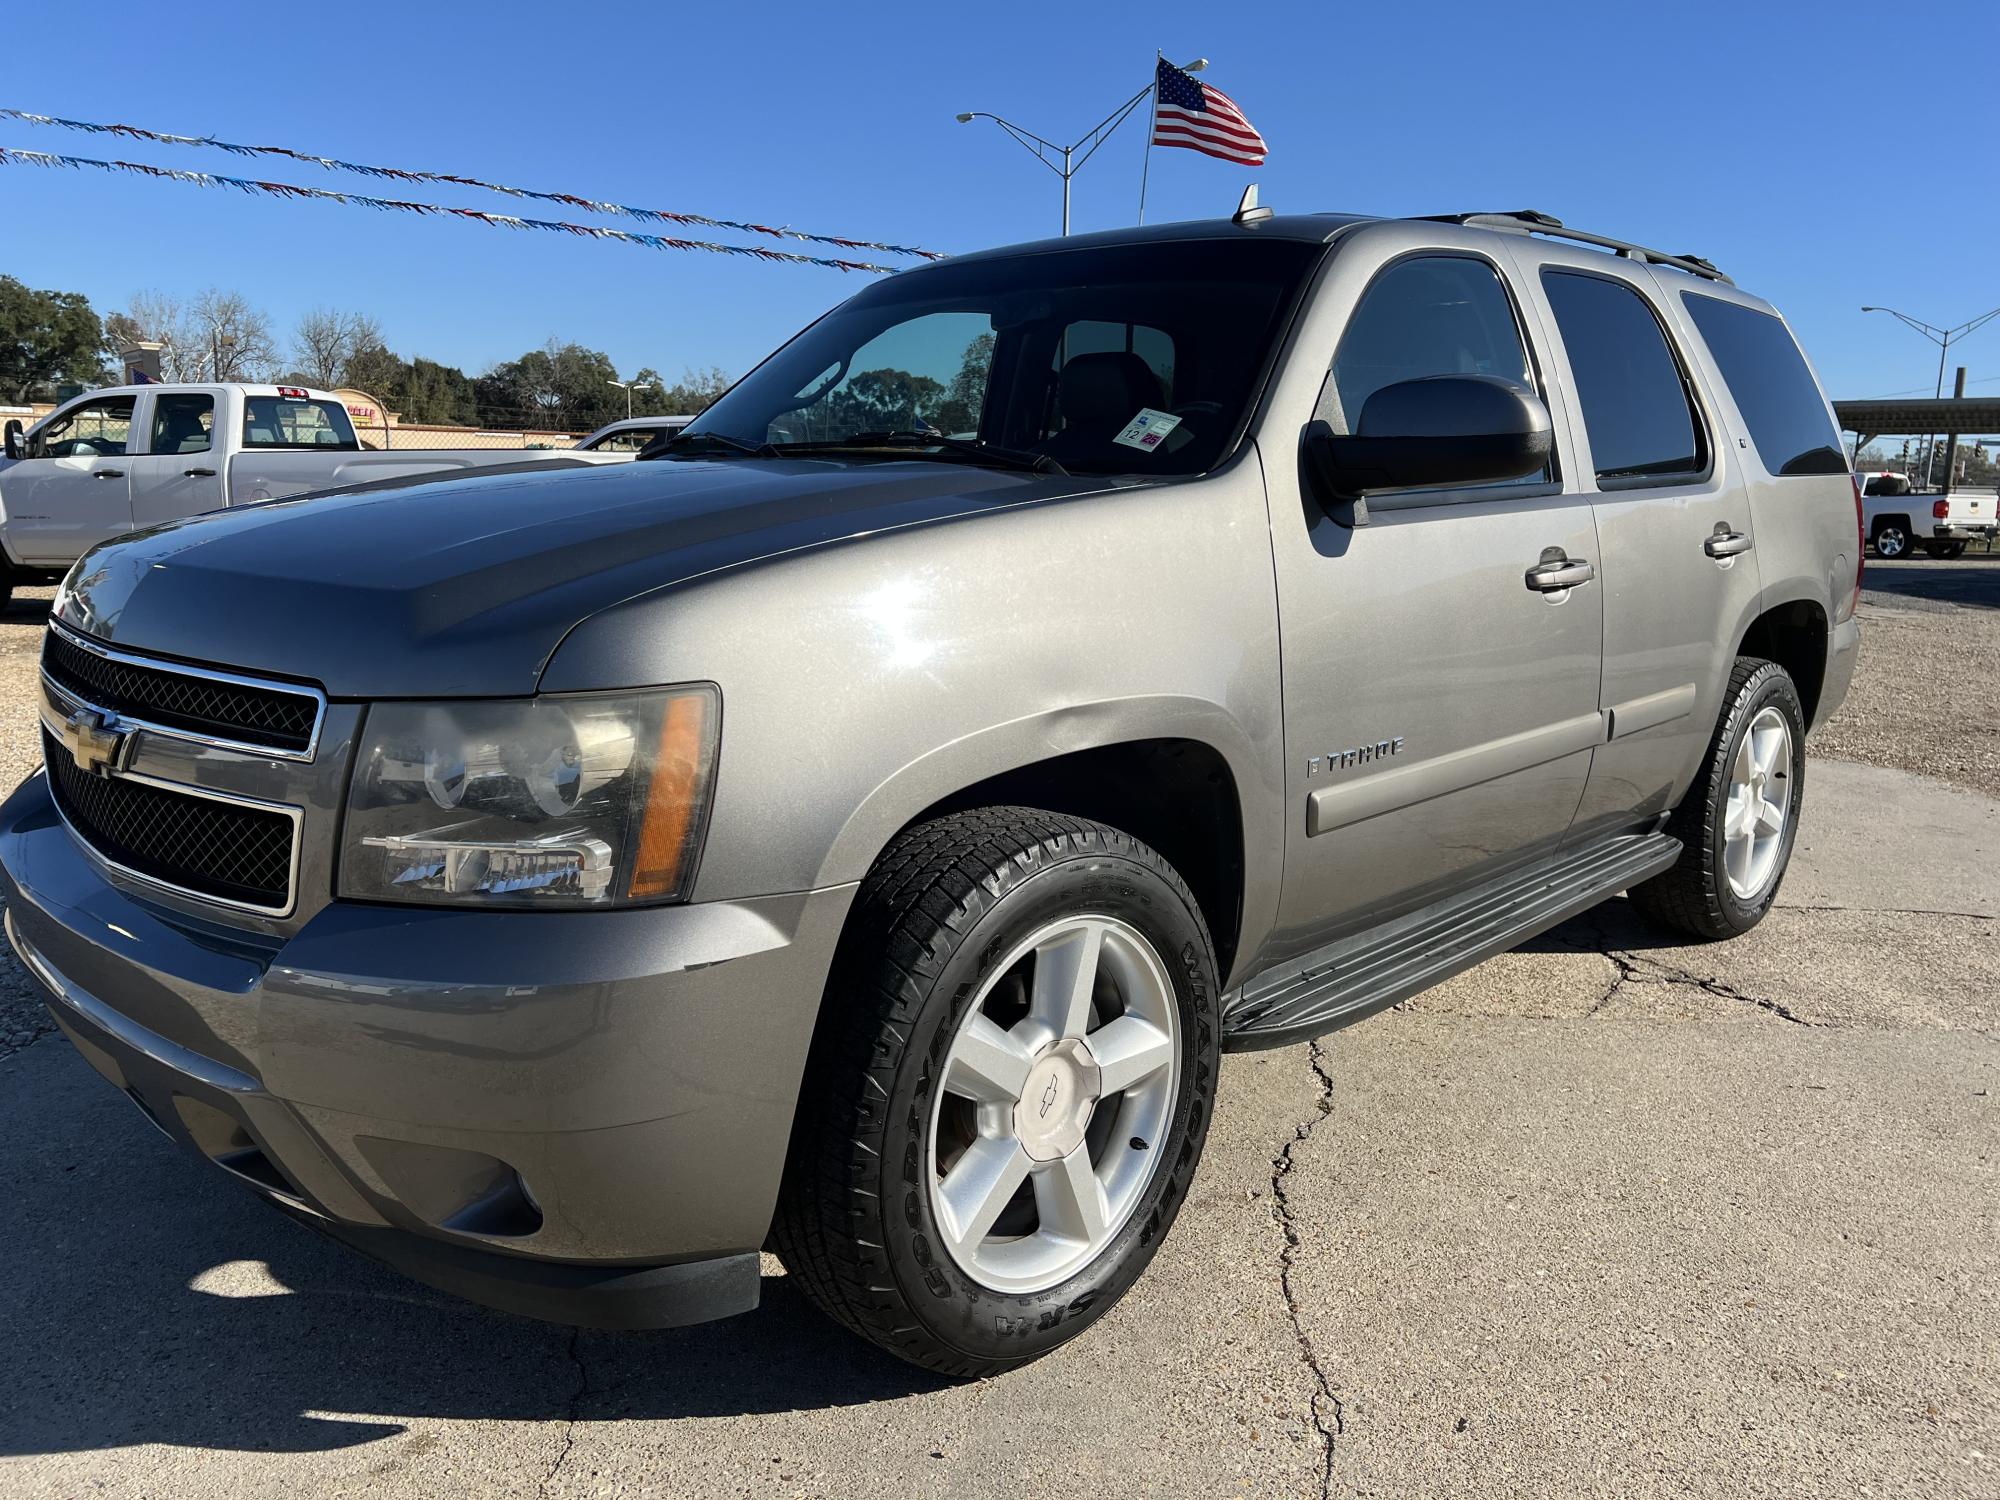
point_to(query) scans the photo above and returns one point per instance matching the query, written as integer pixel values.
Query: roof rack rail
(1529, 221)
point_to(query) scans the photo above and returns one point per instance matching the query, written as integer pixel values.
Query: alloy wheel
(1055, 1097)
(1760, 802)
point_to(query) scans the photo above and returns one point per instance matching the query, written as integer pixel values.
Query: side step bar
(1345, 981)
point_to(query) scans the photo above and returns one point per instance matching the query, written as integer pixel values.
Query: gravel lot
(1607, 1216)
(1927, 697)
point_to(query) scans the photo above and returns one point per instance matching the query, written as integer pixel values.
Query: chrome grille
(201, 703)
(225, 850)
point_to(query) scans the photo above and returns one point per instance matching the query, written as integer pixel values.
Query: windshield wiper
(983, 453)
(722, 440)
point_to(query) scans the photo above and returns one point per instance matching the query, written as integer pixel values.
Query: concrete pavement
(1602, 1217)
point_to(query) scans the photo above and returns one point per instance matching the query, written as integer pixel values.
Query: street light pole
(628, 386)
(1044, 151)
(1943, 338)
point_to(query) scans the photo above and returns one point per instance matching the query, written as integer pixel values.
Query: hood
(465, 586)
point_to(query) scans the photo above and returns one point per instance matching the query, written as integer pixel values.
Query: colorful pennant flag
(14, 157)
(399, 174)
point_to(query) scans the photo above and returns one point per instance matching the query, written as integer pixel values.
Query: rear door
(1680, 566)
(177, 472)
(73, 490)
(1439, 707)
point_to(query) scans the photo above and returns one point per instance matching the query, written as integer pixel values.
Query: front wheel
(1739, 819)
(1008, 1092)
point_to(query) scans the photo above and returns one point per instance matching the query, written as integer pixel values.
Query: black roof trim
(1529, 221)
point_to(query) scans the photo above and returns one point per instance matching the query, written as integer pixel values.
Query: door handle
(1557, 571)
(108, 473)
(198, 473)
(1726, 543)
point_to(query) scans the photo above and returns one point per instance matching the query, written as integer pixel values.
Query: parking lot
(1606, 1216)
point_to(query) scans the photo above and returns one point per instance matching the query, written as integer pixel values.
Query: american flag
(1191, 114)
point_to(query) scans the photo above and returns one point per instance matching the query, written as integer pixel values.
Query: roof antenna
(1247, 212)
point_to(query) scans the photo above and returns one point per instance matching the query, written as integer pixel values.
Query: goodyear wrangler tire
(1008, 1091)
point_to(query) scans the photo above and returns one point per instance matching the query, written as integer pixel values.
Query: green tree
(559, 387)
(380, 373)
(47, 339)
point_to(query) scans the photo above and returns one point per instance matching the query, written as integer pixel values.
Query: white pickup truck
(1896, 516)
(126, 458)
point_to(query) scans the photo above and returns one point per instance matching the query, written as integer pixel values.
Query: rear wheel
(1945, 551)
(1738, 821)
(1891, 539)
(1009, 1090)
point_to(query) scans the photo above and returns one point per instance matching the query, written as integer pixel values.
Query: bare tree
(157, 318)
(238, 336)
(219, 336)
(327, 342)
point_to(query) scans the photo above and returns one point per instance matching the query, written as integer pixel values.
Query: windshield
(1131, 359)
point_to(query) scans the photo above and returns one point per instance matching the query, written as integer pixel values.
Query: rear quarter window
(1774, 389)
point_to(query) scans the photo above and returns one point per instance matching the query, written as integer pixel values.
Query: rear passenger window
(1629, 384)
(182, 423)
(1772, 385)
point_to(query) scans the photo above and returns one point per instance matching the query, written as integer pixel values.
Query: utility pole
(1951, 442)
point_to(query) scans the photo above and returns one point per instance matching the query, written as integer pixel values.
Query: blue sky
(1779, 140)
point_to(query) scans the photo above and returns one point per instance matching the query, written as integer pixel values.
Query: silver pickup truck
(859, 826)
(122, 459)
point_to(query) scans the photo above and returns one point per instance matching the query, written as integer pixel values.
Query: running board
(1341, 983)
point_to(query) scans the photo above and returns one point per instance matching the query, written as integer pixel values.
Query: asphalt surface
(1607, 1216)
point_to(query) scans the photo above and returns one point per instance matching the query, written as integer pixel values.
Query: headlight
(559, 801)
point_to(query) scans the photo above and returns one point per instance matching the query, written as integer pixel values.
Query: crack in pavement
(576, 1400)
(1891, 911)
(1636, 969)
(1323, 1399)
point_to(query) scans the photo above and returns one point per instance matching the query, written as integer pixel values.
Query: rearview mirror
(1422, 434)
(13, 439)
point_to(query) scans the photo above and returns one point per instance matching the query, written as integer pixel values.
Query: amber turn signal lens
(674, 798)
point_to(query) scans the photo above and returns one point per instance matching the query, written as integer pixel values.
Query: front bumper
(581, 1116)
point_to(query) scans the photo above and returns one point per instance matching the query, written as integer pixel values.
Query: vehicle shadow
(25, 612)
(153, 1301)
(1613, 926)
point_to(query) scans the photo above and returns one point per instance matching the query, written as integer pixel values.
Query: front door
(73, 489)
(177, 473)
(1440, 701)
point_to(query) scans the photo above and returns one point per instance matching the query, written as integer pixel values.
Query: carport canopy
(1869, 420)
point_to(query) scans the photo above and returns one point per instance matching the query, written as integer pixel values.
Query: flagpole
(1146, 166)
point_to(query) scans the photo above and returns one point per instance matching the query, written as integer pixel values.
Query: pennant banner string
(10, 157)
(648, 215)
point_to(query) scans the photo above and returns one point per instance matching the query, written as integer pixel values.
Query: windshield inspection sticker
(1147, 430)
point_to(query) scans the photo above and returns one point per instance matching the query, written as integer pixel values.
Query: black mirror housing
(13, 439)
(1425, 434)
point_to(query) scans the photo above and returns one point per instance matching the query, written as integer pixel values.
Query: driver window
(1430, 315)
(925, 375)
(96, 429)
(182, 423)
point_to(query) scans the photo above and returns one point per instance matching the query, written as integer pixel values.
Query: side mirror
(1423, 434)
(14, 439)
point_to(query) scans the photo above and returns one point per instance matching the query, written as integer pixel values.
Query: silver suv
(857, 827)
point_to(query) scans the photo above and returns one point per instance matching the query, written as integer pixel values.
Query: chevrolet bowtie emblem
(93, 740)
